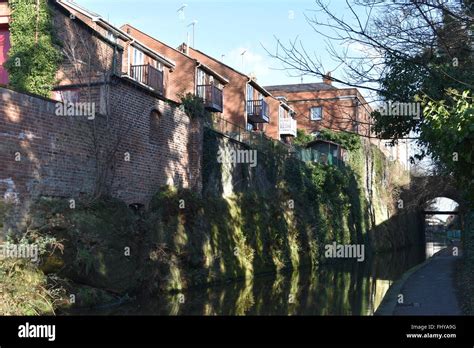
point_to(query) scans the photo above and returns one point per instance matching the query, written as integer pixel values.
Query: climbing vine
(193, 106)
(348, 141)
(34, 56)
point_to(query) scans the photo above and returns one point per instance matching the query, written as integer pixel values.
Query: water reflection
(434, 243)
(345, 288)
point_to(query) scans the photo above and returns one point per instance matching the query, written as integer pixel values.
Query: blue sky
(226, 28)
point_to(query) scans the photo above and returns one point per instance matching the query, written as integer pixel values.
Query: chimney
(184, 48)
(327, 78)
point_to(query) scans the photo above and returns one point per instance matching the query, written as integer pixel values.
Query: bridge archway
(442, 224)
(425, 189)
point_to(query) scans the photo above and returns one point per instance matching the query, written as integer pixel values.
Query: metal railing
(212, 97)
(257, 111)
(149, 76)
(251, 138)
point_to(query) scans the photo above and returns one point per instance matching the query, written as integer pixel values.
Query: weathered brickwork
(342, 109)
(46, 154)
(170, 160)
(135, 141)
(42, 153)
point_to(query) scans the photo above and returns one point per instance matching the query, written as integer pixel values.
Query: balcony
(257, 111)
(287, 126)
(212, 97)
(148, 75)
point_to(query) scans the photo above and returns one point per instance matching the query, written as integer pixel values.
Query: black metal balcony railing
(257, 111)
(212, 97)
(149, 76)
(257, 140)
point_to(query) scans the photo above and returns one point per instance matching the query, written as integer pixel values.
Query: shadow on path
(430, 290)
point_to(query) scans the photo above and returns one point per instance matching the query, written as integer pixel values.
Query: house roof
(317, 141)
(221, 78)
(284, 103)
(251, 81)
(300, 87)
(97, 18)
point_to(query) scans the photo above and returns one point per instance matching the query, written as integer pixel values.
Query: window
(250, 92)
(283, 113)
(138, 57)
(201, 77)
(316, 113)
(156, 64)
(111, 37)
(155, 135)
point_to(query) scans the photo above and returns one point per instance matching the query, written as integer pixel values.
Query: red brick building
(321, 105)
(189, 75)
(245, 101)
(282, 125)
(106, 49)
(136, 139)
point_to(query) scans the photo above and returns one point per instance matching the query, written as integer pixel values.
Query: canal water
(345, 288)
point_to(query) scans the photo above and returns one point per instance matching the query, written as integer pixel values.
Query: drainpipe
(114, 63)
(246, 102)
(199, 64)
(128, 60)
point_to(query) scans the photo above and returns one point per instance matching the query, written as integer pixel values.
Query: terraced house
(233, 96)
(247, 104)
(323, 106)
(135, 137)
(189, 76)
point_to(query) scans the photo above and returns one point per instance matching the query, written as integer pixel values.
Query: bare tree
(377, 29)
(89, 62)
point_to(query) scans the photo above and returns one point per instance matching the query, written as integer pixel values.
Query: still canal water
(346, 288)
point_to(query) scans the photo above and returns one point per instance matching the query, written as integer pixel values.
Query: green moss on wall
(255, 230)
(185, 239)
(95, 243)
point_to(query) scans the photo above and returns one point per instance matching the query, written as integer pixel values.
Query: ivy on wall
(193, 106)
(348, 141)
(34, 56)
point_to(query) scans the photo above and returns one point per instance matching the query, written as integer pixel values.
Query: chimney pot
(327, 79)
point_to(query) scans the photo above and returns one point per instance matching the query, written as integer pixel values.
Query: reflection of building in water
(343, 288)
(379, 289)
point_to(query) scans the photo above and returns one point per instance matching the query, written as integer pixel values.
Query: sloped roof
(300, 87)
(97, 18)
(252, 82)
(221, 78)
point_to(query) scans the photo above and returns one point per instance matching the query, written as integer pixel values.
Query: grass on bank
(24, 289)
